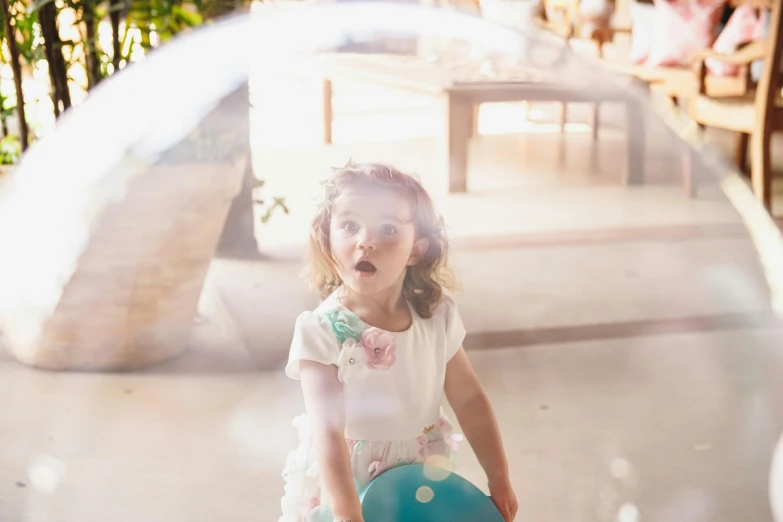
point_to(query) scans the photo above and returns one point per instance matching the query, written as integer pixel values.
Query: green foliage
(7, 110)
(29, 39)
(164, 18)
(10, 149)
(144, 24)
(276, 203)
(269, 209)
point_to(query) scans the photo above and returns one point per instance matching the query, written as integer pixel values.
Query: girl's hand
(504, 498)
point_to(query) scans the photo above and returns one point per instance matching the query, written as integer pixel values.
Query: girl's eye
(350, 226)
(388, 230)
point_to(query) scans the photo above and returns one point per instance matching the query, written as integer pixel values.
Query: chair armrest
(620, 30)
(743, 56)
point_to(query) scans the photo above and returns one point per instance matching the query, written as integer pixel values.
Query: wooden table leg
(328, 115)
(474, 131)
(595, 120)
(691, 171)
(563, 116)
(635, 142)
(459, 126)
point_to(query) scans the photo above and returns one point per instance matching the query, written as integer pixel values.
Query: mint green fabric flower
(345, 325)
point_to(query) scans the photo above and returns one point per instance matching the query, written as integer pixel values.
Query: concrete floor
(681, 426)
(623, 334)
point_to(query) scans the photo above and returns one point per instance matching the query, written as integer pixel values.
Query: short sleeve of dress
(313, 340)
(455, 330)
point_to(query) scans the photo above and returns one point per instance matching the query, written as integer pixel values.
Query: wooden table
(462, 87)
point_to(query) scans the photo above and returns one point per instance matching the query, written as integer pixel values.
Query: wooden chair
(679, 83)
(755, 114)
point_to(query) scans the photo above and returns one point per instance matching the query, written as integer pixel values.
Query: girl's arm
(477, 420)
(323, 394)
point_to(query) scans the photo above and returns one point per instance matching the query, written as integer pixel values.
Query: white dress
(393, 386)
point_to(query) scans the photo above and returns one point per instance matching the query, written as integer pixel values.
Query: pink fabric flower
(425, 450)
(379, 348)
(376, 468)
(310, 504)
(430, 448)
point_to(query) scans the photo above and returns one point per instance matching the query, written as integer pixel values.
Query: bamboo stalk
(58, 74)
(16, 67)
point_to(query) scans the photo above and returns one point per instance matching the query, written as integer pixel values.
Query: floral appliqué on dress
(362, 348)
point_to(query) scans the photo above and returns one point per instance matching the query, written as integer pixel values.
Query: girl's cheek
(344, 249)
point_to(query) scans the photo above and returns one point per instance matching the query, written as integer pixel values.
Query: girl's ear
(420, 248)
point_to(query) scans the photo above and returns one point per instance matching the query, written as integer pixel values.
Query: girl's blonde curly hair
(425, 282)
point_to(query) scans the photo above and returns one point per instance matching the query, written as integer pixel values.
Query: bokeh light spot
(438, 468)
(425, 494)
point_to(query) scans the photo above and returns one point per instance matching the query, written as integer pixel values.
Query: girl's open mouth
(365, 268)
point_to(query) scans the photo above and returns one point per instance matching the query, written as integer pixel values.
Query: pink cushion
(682, 27)
(763, 29)
(642, 18)
(745, 25)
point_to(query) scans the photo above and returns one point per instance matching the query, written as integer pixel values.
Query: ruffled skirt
(303, 500)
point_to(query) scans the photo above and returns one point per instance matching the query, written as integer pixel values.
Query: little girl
(376, 358)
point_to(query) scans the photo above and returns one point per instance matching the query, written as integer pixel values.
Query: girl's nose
(366, 240)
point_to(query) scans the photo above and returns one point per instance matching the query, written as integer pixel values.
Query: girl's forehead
(373, 202)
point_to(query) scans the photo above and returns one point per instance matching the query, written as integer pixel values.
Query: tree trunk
(3, 123)
(58, 73)
(92, 59)
(45, 20)
(16, 67)
(115, 6)
(238, 239)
